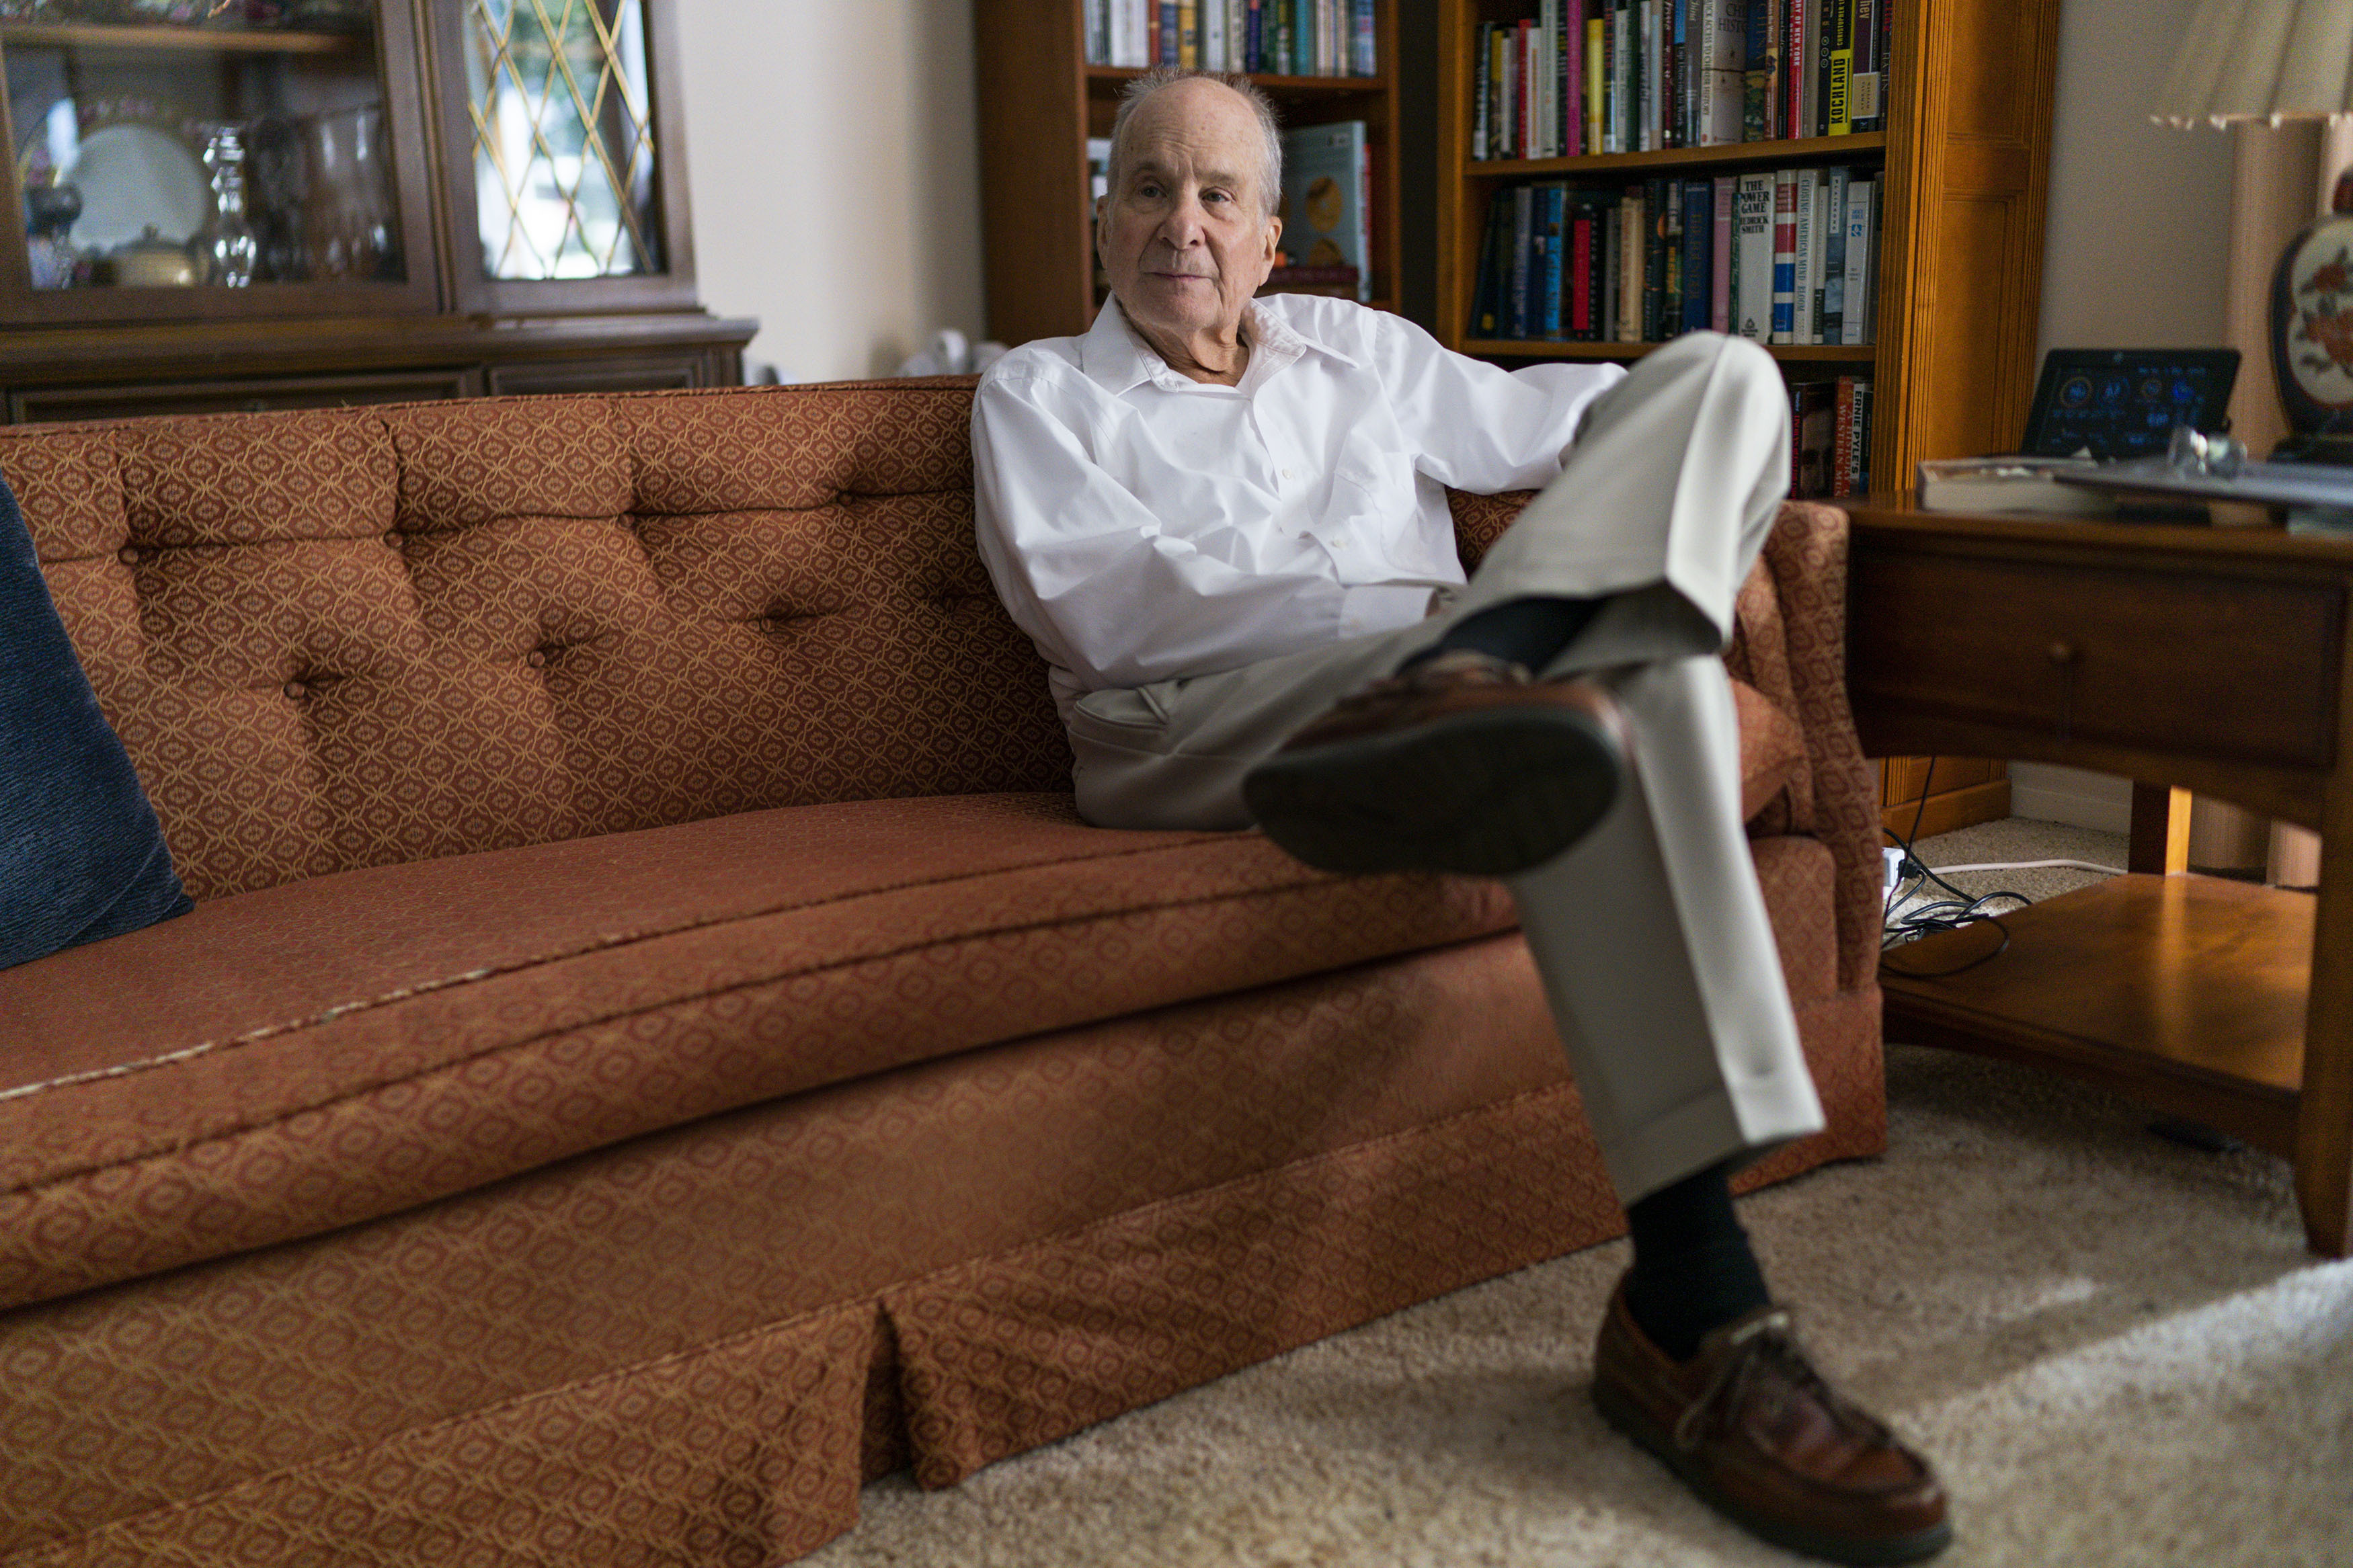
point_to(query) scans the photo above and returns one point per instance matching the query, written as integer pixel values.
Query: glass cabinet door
(568, 127)
(213, 157)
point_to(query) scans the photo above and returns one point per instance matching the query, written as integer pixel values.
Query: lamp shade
(2261, 59)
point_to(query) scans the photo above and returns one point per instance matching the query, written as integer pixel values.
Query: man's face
(1185, 236)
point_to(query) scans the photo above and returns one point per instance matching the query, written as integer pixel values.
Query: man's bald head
(1167, 80)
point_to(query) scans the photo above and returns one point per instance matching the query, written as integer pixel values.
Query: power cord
(1943, 915)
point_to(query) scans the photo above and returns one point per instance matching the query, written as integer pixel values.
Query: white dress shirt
(1142, 526)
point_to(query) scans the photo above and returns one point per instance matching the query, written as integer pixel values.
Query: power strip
(1894, 859)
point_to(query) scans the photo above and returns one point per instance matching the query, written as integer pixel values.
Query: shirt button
(1286, 473)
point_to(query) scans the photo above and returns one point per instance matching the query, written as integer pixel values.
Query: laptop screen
(2124, 403)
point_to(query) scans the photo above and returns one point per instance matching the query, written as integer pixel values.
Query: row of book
(1782, 257)
(1271, 38)
(1588, 76)
(1829, 439)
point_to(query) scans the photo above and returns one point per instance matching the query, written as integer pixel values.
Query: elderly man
(1223, 521)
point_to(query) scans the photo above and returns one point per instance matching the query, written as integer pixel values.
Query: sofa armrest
(1788, 642)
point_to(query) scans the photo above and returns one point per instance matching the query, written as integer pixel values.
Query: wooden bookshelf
(1965, 157)
(1039, 100)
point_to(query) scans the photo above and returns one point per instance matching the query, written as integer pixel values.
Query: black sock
(1529, 632)
(1692, 1269)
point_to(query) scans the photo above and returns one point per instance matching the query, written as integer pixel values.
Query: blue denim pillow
(81, 855)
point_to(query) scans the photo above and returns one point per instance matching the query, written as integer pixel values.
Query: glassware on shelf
(348, 216)
(224, 249)
(50, 250)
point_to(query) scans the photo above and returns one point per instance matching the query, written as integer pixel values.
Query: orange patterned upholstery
(656, 1046)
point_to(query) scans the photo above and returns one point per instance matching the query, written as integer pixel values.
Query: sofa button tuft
(536, 658)
(128, 555)
(392, 538)
(296, 691)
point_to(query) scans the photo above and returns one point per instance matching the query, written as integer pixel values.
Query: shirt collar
(1115, 357)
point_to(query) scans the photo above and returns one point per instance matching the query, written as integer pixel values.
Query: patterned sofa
(655, 1049)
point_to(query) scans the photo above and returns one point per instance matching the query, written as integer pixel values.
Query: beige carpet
(2115, 1347)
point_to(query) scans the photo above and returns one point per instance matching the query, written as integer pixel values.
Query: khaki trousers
(1650, 932)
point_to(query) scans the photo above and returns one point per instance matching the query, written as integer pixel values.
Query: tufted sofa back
(346, 639)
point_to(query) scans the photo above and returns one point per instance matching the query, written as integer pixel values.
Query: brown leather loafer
(1463, 763)
(1753, 1429)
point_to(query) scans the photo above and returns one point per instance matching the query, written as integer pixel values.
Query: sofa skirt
(693, 1347)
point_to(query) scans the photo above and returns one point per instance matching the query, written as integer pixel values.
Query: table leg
(2324, 1117)
(2161, 830)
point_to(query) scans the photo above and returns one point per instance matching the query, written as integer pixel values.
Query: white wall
(2135, 255)
(835, 183)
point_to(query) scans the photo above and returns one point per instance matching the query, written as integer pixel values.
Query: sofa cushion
(281, 1062)
(81, 855)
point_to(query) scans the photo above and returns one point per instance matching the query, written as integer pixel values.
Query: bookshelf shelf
(1547, 348)
(1039, 102)
(1867, 146)
(1337, 85)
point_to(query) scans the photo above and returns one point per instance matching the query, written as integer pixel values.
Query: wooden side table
(2212, 659)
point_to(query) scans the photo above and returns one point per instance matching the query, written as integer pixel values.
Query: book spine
(1649, 84)
(1580, 273)
(1656, 208)
(1862, 435)
(1499, 125)
(1368, 46)
(1213, 35)
(1756, 74)
(1719, 305)
(1833, 316)
(1361, 148)
(1163, 41)
(1854, 327)
(1598, 209)
(1573, 143)
(1841, 68)
(1556, 258)
(1487, 289)
(1515, 323)
(1806, 284)
(1785, 256)
(1686, 122)
(1531, 91)
(1865, 88)
(1699, 255)
(1597, 96)
(1507, 60)
(1842, 442)
(1611, 236)
(1629, 52)
(1793, 97)
(1481, 65)
(1752, 296)
(1632, 242)
(1254, 37)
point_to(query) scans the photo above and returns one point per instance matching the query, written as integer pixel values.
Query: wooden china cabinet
(279, 203)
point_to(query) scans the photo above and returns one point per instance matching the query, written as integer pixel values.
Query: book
(1807, 273)
(1720, 230)
(1759, 76)
(1855, 325)
(1326, 220)
(1752, 242)
(1482, 55)
(1699, 257)
(1813, 428)
(1797, 68)
(1658, 212)
(1723, 61)
(1842, 464)
(1516, 312)
(1486, 308)
(1581, 225)
(2009, 484)
(1624, 28)
(1552, 231)
(1839, 111)
(1784, 257)
(1633, 237)
(1364, 59)
(1610, 229)
(1597, 56)
(1829, 318)
(1862, 87)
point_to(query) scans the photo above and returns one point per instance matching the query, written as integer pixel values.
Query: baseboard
(2071, 796)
